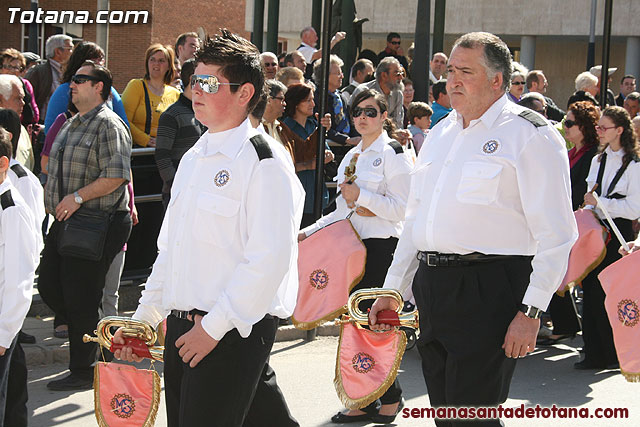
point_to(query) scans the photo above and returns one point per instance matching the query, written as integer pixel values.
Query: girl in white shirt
(377, 198)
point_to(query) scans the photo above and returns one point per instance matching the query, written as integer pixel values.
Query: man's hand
(521, 336)
(590, 200)
(402, 136)
(152, 142)
(126, 353)
(2, 350)
(66, 207)
(328, 156)
(350, 192)
(134, 215)
(195, 344)
(325, 121)
(382, 303)
(337, 38)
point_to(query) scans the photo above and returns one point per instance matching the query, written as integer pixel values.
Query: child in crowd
(419, 122)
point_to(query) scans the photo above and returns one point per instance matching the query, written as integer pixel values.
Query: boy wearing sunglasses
(227, 263)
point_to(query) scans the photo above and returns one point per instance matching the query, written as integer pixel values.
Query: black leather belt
(182, 314)
(437, 259)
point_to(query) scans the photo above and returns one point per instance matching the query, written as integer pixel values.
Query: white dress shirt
(18, 261)
(501, 187)
(31, 191)
(628, 185)
(307, 51)
(228, 242)
(383, 178)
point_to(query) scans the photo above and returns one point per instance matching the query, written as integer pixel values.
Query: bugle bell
(137, 334)
(409, 320)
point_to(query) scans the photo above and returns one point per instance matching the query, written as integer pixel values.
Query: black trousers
(269, 407)
(73, 288)
(599, 348)
(13, 386)
(379, 257)
(563, 315)
(219, 390)
(464, 315)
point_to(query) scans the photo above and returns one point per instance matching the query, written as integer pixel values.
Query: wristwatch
(531, 311)
(77, 198)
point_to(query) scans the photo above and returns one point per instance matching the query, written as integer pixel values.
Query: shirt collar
(55, 65)
(13, 161)
(377, 145)
(610, 152)
(6, 185)
(227, 142)
(491, 115)
(307, 45)
(89, 115)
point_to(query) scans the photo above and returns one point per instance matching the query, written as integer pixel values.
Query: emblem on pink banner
(622, 286)
(363, 362)
(319, 279)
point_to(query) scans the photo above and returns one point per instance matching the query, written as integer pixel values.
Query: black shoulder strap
(533, 118)
(6, 201)
(617, 177)
(19, 170)
(603, 162)
(147, 103)
(397, 147)
(262, 147)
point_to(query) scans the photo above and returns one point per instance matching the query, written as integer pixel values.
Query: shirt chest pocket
(216, 219)
(369, 180)
(479, 183)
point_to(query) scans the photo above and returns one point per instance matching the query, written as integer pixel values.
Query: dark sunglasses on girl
(368, 111)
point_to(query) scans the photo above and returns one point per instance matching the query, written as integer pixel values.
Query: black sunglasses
(517, 83)
(368, 111)
(569, 123)
(395, 43)
(83, 78)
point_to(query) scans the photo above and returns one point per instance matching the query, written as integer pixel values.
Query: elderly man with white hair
(45, 77)
(587, 82)
(269, 63)
(12, 97)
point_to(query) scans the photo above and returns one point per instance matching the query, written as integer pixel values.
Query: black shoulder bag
(83, 235)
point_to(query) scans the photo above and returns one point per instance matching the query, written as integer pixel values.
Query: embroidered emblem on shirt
(628, 313)
(491, 147)
(222, 178)
(363, 362)
(377, 162)
(123, 405)
(319, 279)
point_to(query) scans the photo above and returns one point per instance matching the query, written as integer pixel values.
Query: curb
(49, 350)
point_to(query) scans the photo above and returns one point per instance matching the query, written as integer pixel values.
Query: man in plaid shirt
(94, 149)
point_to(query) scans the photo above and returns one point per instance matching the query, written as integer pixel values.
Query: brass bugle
(131, 328)
(409, 320)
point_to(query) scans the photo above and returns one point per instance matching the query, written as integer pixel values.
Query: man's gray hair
(528, 97)
(317, 67)
(274, 87)
(497, 58)
(385, 65)
(585, 80)
(7, 82)
(305, 29)
(268, 55)
(54, 42)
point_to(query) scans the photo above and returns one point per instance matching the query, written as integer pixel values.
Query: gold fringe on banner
(585, 274)
(305, 326)
(631, 377)
(350, 403)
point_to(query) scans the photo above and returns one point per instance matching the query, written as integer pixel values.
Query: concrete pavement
(305, 374)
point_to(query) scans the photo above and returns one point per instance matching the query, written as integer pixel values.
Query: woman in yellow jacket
(146, 99)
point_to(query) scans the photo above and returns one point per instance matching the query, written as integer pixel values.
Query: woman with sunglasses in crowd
(378, 198)
(300, 119)
(13, 62)
(579, 129)
(146, 99)
(84, 51)
(517, 82)
(616, 170)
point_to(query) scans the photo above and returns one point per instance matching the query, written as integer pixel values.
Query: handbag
(83, 235)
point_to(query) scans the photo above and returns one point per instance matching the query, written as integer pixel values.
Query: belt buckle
(432, 260)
